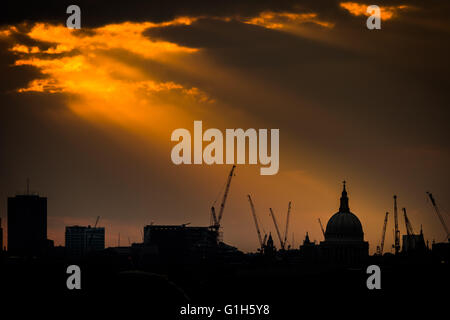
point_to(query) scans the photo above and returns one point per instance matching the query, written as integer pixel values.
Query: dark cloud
(235, 35)
(14, 77)
(97, 13)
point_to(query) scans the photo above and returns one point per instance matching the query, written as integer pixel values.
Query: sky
(87, 114)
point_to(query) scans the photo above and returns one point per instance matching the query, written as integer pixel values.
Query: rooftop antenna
(28, 186)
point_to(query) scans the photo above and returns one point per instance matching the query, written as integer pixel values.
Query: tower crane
(383, 235)
(96, 221)
(276, 228)
(92, 234)
(214, 217)
(287, 224)
(436, 209)
(409, 228)
(217, 219)
(396, 230)
(261, 242)
(321, 227)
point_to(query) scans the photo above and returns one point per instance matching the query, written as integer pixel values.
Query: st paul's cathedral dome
(344, 236)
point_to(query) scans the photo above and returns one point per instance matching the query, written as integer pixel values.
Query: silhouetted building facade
(344, 237)
(179, 242)
(414, 243)
(1, 235)
(81, 240)
(269, 249)
(309, 250)
(27, 225)
(441, 251)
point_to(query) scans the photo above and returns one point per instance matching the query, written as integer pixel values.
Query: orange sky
(128, 88)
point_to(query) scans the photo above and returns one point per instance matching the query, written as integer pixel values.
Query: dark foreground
(291, 291)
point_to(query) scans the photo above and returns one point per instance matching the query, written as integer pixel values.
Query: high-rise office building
(27, 225)
(81, 240)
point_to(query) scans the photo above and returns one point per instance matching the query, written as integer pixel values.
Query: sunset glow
(308, 71)
(358, 9)
(101, 84)
(281, 20)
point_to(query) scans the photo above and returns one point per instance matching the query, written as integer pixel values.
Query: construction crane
(261, 242)
(92, 233)
(217, 219)
(436, 209)
(321, 227)
(396, 230)
(213, 216)
(383, 235)
(276, 228)
(409, 228)
(393, 236)
(287, 224)
(96, 221)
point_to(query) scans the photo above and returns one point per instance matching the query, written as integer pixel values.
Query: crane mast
(396, 230)
(436, 209)
(225, 195)
(96, 221)
(409, 228)
(276, 228)
(261, 243)
(321, 228)
(383, 234)
(214, 216)
(287, 224)
(216, 219)
(91, 235)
